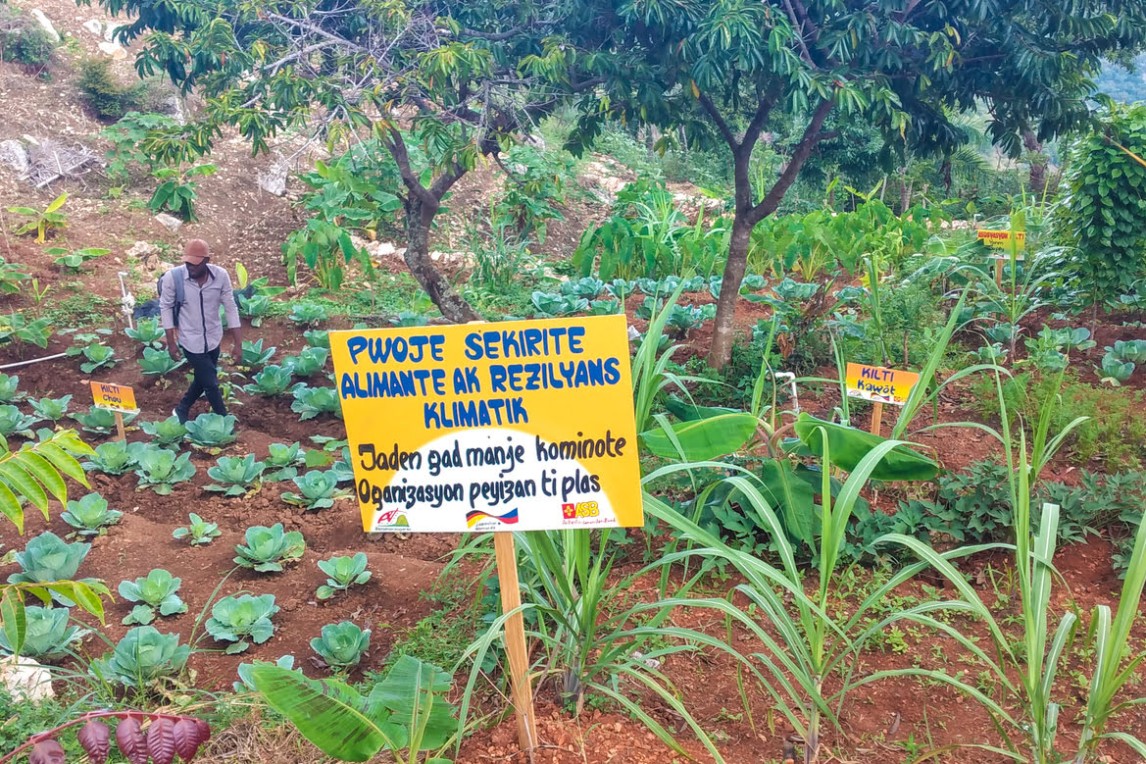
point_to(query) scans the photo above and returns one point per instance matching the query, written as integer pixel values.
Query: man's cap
(196, 251)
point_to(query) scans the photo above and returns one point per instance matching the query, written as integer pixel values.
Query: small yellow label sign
(511, 426)
(1002, 239)
(875, 383)
(108, 395)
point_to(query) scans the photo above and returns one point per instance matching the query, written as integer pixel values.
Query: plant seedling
(342, 573)
(155, 593)
(197, 530)
(341, 645)
(90, 515)
(242, 618)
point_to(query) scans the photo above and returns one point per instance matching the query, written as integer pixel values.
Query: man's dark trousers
(206, 382)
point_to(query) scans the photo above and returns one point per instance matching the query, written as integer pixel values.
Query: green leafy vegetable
(158, 363)
(235, 476)
(309, 402)
(15, 422)
(160, 469)
(142, 657)
(166, 433)
(308, 362)
(116, 457)
(283, 460)
(308, 314)
(51, 409)
(316, 490)
(212, 431)
(268, 549)
(8, 388)
(272, 380)
(48, 558)
(100, 421)
(47, 634)
(156, 593)
(147, 332)
(341, 645)
(342, 573)
(242, 618)
(90, 515)
(198, 530)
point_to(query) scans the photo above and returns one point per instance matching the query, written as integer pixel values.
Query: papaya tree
(444, 74)
(730, 73)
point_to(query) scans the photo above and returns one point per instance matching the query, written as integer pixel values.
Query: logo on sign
(477, 516)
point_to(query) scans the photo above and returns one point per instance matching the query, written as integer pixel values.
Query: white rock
(385, 249)
(13, 154)
(274, 180)
(95, 26)
(115, 50)
(25, 679)
(170, 222)
(173, 107)
(46, 24)
(109, 32)
(141, 249)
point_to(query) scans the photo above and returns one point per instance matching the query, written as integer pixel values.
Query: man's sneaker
(175, 413)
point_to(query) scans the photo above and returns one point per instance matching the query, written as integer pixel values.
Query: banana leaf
(687, 411)
(701, 439)
(849, 446)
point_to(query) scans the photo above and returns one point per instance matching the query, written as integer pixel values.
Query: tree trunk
(419, 217)
(1038, 162)
(721, 351)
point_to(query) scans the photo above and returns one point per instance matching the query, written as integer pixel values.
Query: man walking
(194, 325)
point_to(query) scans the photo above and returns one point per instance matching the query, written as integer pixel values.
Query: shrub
(103, 95)
(22, 41)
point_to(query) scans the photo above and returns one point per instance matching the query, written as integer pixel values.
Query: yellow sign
(1003, 239)
(875, 383)
(513, 426)
(115, 397)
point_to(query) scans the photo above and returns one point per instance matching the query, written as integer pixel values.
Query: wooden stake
(877, 418)
(522, 692)
(119, 426)
(999, 272)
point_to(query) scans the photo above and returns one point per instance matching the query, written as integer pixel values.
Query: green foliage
(128, 137)
(147, 332)
(50, 220)
(160, 469)
(341, 646)
(72, 260)
(157, 593)
(115, 457)
(342, 573)
(283, 461)
(256, 308)
(211, 431)
(1104, 211)
(9, 385)
(239, 619)
(177, 190)
(316, 490)
(254, 355)
(23, 40)
(157, 362)
(1112, 436)
(310, 402)
(406, 713)
(534, 187)
(15, 422)
(49, 634)
(90, 515)
(268, 549)
(166, 433)
(307, 363)
(100, 421)
(48, 558)
(51, 409)
(236, 476)
(272, 380)
(500, 255)
(550, 305)
(106, 97)
(142, 658)
(308, 314)
(198, 531)
(19, 327)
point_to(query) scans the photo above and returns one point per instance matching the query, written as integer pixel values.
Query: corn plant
(198, 531)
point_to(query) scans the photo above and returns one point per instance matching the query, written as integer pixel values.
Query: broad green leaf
(702, 439)
(848, 446)
(793, 496)
(13, 619)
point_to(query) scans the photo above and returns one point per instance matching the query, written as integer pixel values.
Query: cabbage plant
(235, 476)
(239, 619)
(272, 380)
(308, 362)
(342, 573)
(267, 549)
(47, 558)
(8, 388)
(316, 490)
(15, 422)
(256, 308)
(197, 530)
(97, 356)
(283, 460)
(48, 634)
(156, 593)
(90, 515)
(309, 402)
(212, 431)
(158, 363)
(1133, 351)
(1116, 370)
(115, 457)
(341, 645)
(148, 332)
(317, 338)
(160, 469)
(166, 433)
(246, 684)
(100, 421)
(308, 314)
(254, 355)
(142, 657)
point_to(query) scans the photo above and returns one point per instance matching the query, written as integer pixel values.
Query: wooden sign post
(117, 398)
(880, 386)
(506, 427)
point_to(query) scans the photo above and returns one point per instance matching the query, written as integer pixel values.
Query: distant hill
(1122, 85)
